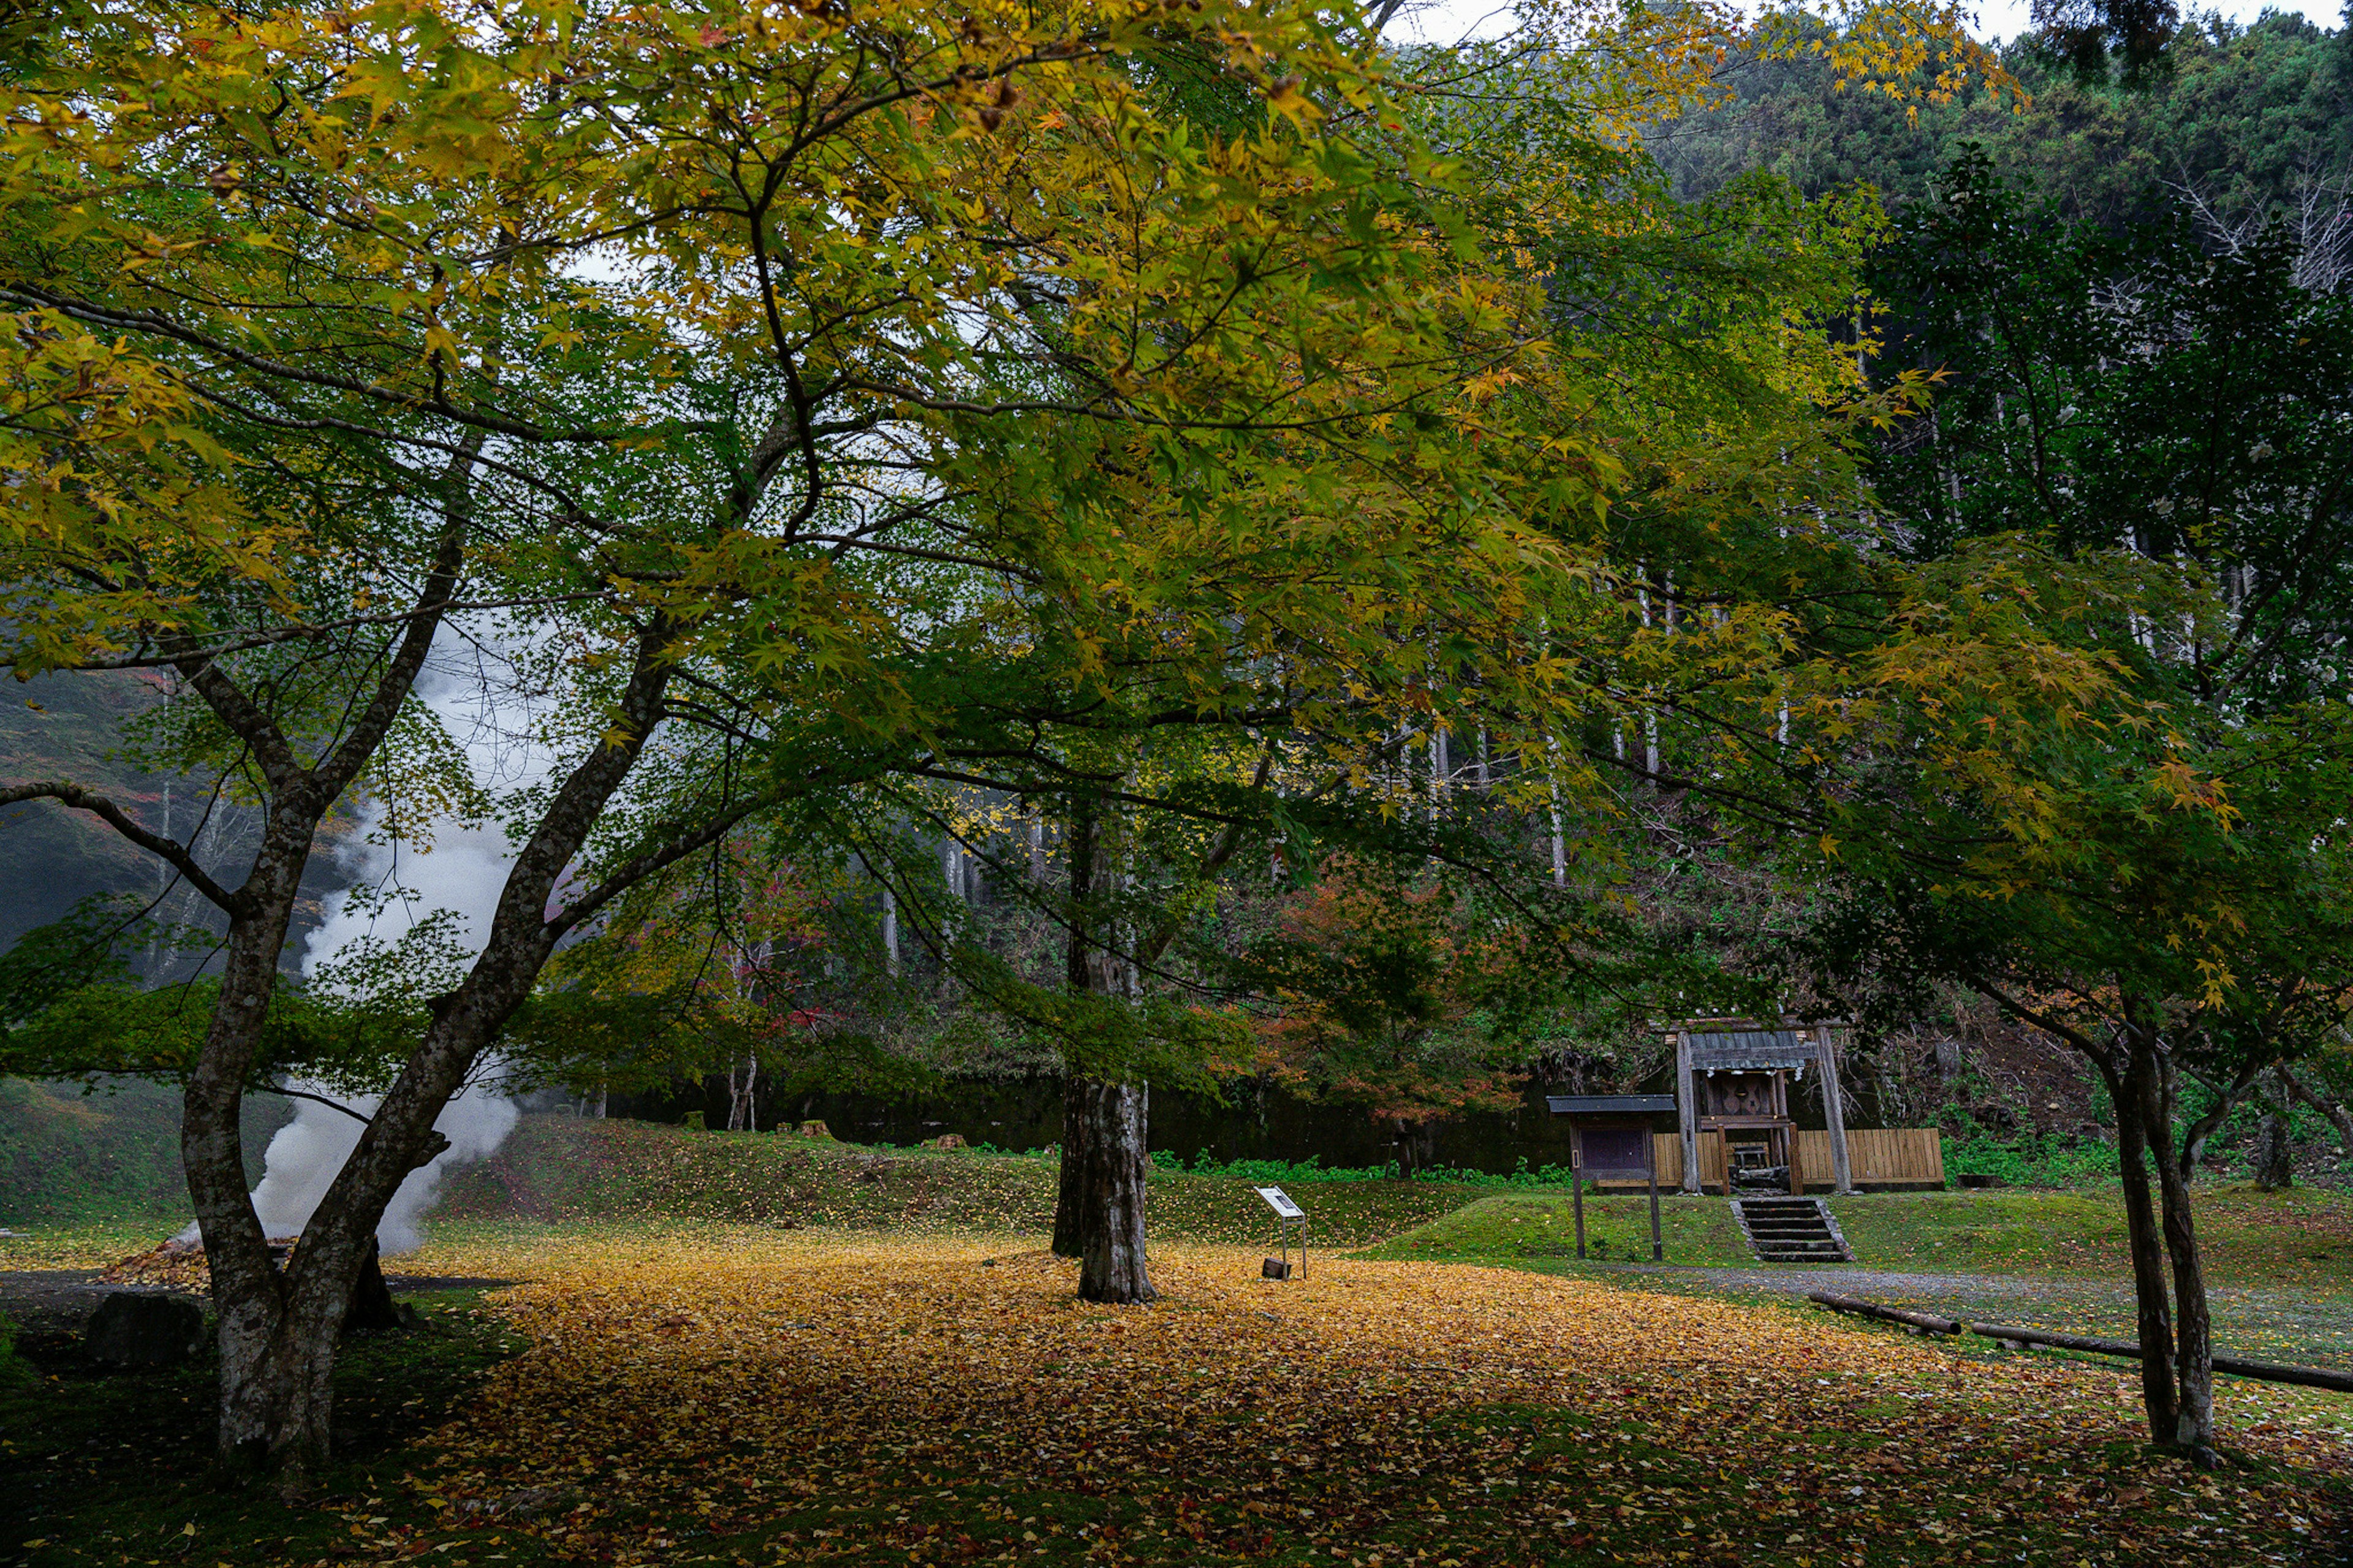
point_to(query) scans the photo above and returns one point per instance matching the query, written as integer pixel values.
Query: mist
(461, 872)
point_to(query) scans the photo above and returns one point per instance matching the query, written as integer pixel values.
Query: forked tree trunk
(1111, 1262)
(278, 1332)
(2158, 1392)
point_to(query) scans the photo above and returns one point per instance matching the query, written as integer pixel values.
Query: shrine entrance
(1733, 1079)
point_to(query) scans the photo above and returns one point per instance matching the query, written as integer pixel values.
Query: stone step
(1790, 1230)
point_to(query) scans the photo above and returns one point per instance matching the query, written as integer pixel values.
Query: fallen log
(1863, 1308)
(2234, 1366)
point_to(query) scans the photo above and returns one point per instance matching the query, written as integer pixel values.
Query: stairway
(1791, 1230)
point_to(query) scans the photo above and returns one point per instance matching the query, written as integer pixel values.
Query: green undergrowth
(2029, 1159)
(559, 1169)
(115, 1468)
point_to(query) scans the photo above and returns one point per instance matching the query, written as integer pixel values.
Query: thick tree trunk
(1071, 1220)
(1112, 1260)
(2275, 1152)
(2274, 1138)
(278, 1400)
(2194, 1332)
(268, 1405)
(2158, 1390)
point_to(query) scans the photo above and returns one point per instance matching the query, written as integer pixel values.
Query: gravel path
(2279, 1325)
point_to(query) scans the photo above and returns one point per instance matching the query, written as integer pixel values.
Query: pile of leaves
(179, 1265)
(791, 1396)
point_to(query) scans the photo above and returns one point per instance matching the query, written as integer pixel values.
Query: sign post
(1610, 1138)
(1289, 1218)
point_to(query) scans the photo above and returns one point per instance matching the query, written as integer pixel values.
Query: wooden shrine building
(1733, 1078)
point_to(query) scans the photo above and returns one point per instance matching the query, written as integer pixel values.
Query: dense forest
(2239, 120)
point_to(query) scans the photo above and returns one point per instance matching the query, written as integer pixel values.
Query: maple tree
(1421, 550)
(684, 354)
(1402, 994)
(389, 320)
(2096, 769)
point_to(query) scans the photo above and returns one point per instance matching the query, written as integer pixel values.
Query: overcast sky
(1447, 21)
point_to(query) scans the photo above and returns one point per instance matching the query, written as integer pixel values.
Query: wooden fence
(1876, 1157)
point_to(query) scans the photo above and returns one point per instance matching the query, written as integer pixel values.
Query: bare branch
(115, 816)
(322, 1100)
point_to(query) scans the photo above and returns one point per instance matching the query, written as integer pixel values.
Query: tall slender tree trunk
(2127, 1081)
(2194, 1328)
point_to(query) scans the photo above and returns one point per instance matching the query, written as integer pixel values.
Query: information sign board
(1280, 1202)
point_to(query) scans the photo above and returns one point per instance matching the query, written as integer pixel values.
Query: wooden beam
(1687, 1110)
(1863, 1308)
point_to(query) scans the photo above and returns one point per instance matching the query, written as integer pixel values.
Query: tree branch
(639, 868)
(321, 1099)
(115, 816)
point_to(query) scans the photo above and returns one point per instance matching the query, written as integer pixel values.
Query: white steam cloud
(308, 1151)
(462, 872)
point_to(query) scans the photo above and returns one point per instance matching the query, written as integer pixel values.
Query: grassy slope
(106, 1159)
(557, 1169)
(1513, 1227)
(2300, 1239)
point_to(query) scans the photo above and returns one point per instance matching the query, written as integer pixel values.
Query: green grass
(558, 1169)
(1510, 1228)
(16, 1372)
(107, 1469)
(108, 1157)
(2299, 1240)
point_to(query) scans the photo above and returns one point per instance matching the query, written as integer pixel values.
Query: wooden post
(1658, 1247)
(1687, 1112)
(1834, 1112)
(1576, 1203)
